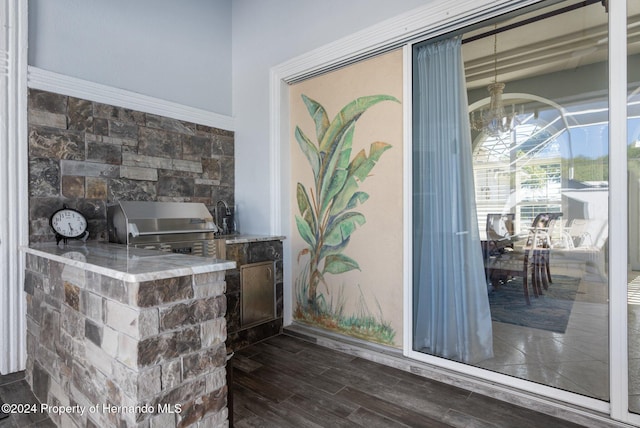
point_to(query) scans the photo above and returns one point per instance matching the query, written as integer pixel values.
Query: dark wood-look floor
(288, 382)
(14, 389)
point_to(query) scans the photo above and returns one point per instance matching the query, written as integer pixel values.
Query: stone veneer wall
(87, 155)
(94, 340)
(243, 254)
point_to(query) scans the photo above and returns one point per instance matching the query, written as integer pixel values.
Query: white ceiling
(562, 42)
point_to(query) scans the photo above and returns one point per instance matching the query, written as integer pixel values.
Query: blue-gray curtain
(451, 313)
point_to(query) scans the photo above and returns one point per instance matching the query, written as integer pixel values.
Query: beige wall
(376, 245)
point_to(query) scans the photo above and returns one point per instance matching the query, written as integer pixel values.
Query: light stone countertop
(127, 264)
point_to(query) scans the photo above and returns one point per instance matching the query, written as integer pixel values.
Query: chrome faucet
(224, 217)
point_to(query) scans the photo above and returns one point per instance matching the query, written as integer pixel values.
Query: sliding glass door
(510, 197)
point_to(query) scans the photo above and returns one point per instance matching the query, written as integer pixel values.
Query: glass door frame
(617, 408)
(618, 234)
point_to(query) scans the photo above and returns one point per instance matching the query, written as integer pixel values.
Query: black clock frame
(81, 236)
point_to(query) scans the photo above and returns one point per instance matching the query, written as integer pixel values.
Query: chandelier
(495, 120)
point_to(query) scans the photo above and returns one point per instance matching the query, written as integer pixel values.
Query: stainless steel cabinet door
(257, 293)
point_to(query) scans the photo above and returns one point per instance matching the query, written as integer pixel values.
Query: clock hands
(68, 223)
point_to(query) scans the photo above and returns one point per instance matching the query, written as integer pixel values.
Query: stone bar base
(126, 354)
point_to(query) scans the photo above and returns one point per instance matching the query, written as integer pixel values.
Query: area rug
(550, 311)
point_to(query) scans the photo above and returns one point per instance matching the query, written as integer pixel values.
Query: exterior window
(519, 171)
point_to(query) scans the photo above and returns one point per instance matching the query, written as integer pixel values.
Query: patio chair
(500, 233)
(532, 256)
(585, 242)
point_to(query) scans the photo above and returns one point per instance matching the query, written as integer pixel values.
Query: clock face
(68, 223)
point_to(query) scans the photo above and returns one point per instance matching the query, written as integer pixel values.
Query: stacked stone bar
(111, 347)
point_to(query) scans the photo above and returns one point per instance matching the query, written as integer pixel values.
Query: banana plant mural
(327, 216)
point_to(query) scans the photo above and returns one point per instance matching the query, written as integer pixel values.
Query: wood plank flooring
(288, 382)
(14, 389)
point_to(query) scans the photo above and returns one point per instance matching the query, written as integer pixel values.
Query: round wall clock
(68, 223)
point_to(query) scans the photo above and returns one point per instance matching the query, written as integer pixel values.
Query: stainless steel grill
(178, 227)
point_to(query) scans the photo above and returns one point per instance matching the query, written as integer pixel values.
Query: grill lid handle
(135, 232)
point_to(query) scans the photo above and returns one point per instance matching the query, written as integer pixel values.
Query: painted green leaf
(305, 231)
(357, 198)
(337, 139)
(310, 151)
(362, 165)
(319, 115)
(349, 114)
(304, 206)
(339, 263)
(342, 227)
(335, 171)
(328, 250)
(358, 170)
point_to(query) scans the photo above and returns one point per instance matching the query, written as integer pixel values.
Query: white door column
(14, 215)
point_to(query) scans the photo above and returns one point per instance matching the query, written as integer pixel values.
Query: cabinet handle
(270, 272)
